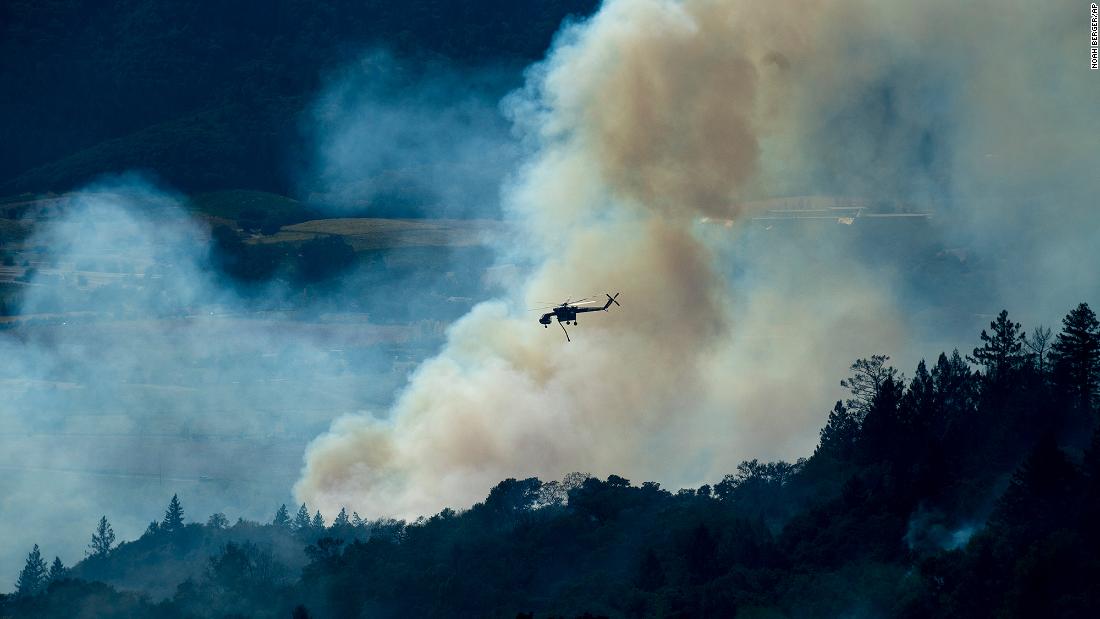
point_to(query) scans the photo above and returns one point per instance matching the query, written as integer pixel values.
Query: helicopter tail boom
(610, 300)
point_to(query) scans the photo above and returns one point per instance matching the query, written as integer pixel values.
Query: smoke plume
(654, 114)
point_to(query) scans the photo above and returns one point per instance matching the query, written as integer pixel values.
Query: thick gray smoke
(654, 114)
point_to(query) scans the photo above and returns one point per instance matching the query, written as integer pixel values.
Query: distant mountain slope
(205, 94)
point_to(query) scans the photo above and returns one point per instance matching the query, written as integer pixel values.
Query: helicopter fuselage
(563, 314)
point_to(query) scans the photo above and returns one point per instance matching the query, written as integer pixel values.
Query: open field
(372, 233)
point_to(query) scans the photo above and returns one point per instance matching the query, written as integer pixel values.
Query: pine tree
(342, 522)
(920, 400)
(57, 570)
(356, 520)
(282, 517)
(1001, 353)
(173, 516)
(1076, 356)
(301, 520)
(318, 521)
(884, 433)
(954, 384)
(838, 437)
(102, 539)
(33, 576)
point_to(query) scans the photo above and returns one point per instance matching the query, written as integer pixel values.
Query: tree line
(969, 489)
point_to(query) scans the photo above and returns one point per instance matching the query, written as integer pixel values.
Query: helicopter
(567, 311)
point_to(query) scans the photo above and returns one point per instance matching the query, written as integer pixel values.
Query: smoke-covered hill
(209, 95)
(951, 494)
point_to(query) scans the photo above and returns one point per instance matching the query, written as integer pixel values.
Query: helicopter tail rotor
(610, 300)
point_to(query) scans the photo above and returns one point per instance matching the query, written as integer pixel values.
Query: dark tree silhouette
(173, 516)
(33, 576)
(902, 511)
(301, 520)
(956, 391)
(920, 402)
(868, 377)
(511, 496)
(324, 257)
(700, 553)
(838, 437)
(102, 539)
(282, 517)
(244, 570)
(1002, 352)
(885, 433)
(1076, 356)
(318, 523)
(341, 523)
(651, 574)
(217, 521)
(1039, 496)
(1038, 345)
(57, 570)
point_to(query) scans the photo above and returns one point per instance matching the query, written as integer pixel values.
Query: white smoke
(135, 371)
(399, 139)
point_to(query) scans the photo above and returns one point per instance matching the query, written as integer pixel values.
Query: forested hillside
(970, 489)
(209, 95)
